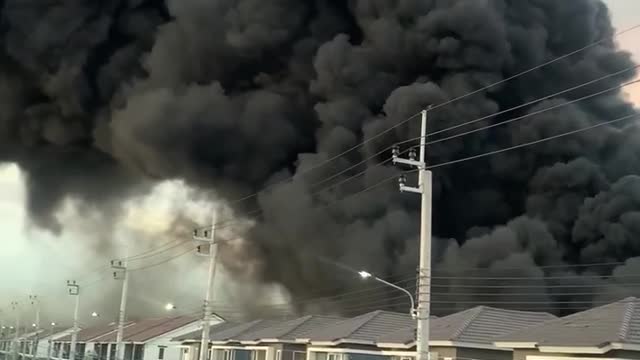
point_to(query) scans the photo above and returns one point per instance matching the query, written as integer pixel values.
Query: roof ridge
(372, 315)
(626, 321)
(300, 322)
(477, 311)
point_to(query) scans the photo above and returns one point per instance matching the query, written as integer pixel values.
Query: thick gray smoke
(100, 99)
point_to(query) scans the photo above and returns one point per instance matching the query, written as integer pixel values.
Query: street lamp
(169, 307)
(366, 275)
(95, 314)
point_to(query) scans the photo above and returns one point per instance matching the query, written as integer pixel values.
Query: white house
(150, 339)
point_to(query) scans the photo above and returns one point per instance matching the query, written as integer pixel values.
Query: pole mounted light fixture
(367, 275)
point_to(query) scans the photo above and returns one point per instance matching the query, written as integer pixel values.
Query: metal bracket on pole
(203, 235)
(73, 287)
(119, 268)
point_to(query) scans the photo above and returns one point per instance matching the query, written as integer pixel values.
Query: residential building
(356, 338)
(190, 343)
(280, 340)
(224, 343)
(149, 339)
(47, 338)
(607, 332)
(85, 343)
(467, 334)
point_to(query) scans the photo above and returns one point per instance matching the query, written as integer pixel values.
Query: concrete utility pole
(49, 347)
(36, 303)
(208, 237)
(424, 284)
(16, 342)
(74, 290)
(121, 267)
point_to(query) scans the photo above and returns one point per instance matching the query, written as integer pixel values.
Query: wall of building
(521, 354)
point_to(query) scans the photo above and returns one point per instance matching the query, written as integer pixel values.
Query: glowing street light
(95, 314)
(169, 307)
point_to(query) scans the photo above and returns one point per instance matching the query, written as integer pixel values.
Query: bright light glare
(94, 314)
(169, 307)
(53, 324)
(365, 275)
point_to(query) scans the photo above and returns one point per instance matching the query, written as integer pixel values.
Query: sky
(625, 15)
(32, 260)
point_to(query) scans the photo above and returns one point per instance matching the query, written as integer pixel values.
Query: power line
(528, 115)
(490, 153)
(258, 211)
(437, 106)
(444, 164)
(538, 100)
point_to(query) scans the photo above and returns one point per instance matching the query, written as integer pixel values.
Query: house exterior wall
(523, 354)
(171, 349)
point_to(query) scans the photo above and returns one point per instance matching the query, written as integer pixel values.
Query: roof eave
(574, 349)
(516, 344)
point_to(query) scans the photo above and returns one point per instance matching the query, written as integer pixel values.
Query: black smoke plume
(101, 98)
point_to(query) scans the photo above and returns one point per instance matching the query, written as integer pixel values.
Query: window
(128, 351)
(80, 348)
(138, 352)
(334, 357)
(161, 352)
(112, 352)
(299, 355)
(367, 357)
(242, 355)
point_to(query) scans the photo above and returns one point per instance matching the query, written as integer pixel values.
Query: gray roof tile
(88, 334)
(367, 327)
(197, 335)
(291, 329)
(478, 325)
(615, 322)
(144, 330)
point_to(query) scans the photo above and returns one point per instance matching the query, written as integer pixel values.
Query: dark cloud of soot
(100, 98)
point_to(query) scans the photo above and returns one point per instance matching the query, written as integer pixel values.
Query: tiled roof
(197, 335)
(233, 334)
(88, 334)
(148, 329)
(229, 332)
(478, 325)
(291, 329)
(364, 328)
(616, 322)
